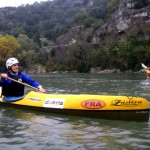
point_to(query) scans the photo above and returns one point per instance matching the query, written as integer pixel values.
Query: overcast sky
(15, 3)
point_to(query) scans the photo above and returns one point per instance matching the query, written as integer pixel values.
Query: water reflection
(27, 129)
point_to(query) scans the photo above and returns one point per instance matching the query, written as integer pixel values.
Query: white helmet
(11, 61)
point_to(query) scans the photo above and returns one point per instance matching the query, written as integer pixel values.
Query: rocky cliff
(77, 35)
(129, 20)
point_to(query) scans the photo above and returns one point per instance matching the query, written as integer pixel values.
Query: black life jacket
(13, 89)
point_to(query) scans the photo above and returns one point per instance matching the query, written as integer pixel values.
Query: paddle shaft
(22, 83)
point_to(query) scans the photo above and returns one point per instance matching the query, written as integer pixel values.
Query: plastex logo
(93, 104)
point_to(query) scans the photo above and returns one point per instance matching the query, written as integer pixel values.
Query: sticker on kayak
(34, 99)
(124, 103)
(93, 104)
(54, 102)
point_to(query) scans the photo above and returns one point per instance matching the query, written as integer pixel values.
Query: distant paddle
(146, 69)
(144, 66)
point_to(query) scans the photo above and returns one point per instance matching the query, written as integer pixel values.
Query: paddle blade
(144, 66)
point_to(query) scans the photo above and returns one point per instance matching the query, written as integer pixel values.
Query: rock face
(76, 35)
(127, 21)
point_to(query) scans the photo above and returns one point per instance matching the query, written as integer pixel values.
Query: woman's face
(15, 68)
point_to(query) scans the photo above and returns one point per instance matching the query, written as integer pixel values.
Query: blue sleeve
(5, 81)
(27, 79)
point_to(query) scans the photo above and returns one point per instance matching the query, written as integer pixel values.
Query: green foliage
(141, 3)
(112, 5)
(50, 64)
(26, 52)
(44, 42)
(61, 66)
(52, 18)
(88, 22)
(8, 44)
(80, 17)
(78, 58)
(97, 25)
(27, 58)
(128, 55)
(34, 25)
(26, 43)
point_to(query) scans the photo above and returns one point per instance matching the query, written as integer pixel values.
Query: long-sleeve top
(11, 88)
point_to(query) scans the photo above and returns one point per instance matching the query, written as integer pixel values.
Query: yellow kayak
(95, 106)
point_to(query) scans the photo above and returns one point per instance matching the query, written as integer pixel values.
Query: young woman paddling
(11, 88)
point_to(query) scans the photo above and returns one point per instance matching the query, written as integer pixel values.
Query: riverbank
(42, 70)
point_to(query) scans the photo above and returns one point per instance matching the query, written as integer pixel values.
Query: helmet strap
(11, 71)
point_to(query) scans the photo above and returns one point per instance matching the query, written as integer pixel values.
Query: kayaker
(11, 88)
(148, 77)
(147, 71)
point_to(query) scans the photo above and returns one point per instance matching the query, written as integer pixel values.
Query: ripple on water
(22, 129)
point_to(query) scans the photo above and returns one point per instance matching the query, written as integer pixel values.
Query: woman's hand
(41, 90)
(4, 75)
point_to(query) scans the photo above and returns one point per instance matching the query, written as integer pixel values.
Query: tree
(44, 42)
(112, 5)
(26, 52)
(141, 3)
(26, 43)
(8, 44)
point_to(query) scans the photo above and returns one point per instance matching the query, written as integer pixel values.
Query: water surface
(22, 129)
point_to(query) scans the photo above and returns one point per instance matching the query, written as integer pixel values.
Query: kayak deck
(94, 106)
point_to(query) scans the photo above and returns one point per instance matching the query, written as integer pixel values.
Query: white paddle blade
(144, 66)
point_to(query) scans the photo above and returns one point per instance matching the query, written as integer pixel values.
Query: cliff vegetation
(78, 35)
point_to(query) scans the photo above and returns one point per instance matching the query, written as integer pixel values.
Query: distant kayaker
(147, 71)
(11, 88)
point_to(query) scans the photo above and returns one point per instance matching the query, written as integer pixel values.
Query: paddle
(146, 69)
(144, 66)
(22, 83)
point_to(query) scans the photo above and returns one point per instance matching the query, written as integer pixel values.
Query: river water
(23, 129)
